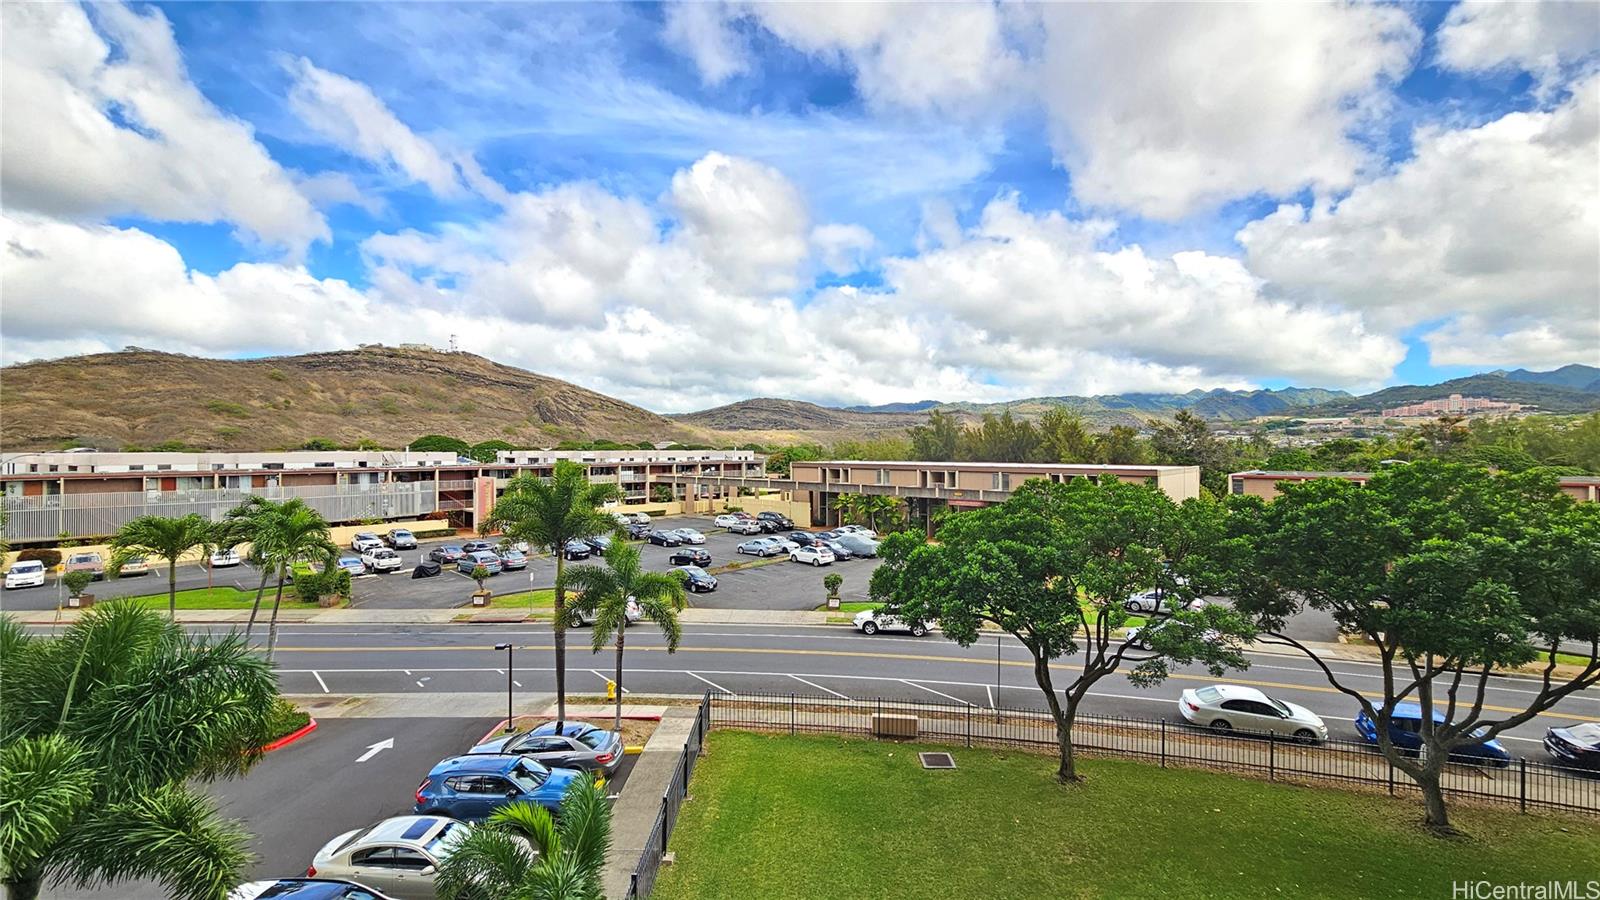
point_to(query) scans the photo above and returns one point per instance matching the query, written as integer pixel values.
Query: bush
(313, 586)
(76, 581)
(286, 719)
(50, 558)
(832, 583)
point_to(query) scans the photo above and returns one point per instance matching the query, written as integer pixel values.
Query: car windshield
(528, 775)
(451, 548)
(594, 739)
(444, 843)
(1208, 694)
(34, 566)
(693, 570)
(1280, 706)
(511, 554)
(349, 561)
(400, 533)
(85, 557)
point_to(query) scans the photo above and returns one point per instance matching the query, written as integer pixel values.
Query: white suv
(381, 559)
(364, 541)
(27, 573)
(816, 556)
(872, 621)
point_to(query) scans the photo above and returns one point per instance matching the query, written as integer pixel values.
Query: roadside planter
(481, 598)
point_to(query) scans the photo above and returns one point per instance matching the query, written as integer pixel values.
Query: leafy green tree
(523, 853)
(870, 509)
(486, 451)
(1001, 438)
(104, 730)
(1053, 567)
(75, 582)
(661, 493)
(831, 583)
(547, 514)
(1121, 445)
(779, 460)
(1450, 572)
(162, 537)
(319, 444)
(937, 441)
(1187, 441)
(1065, 437)
(440, 443)
(605, 592)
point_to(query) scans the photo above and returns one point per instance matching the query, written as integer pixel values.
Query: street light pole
(511, 672)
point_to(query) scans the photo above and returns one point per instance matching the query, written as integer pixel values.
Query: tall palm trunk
(272, 625)
(561, 640)
(621, 630)
(255, 608)
(172, 588)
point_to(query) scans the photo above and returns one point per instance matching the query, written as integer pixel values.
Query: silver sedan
(399, 856)
(1230, 707)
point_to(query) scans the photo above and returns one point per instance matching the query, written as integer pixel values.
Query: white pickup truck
(381, 559)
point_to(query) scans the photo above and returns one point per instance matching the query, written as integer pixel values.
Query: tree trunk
(172, 588)
(1436, 817)
(617, 724)
(272, 624)
(561, 638)
(255, 608)
(1068, 770)
(25, 885)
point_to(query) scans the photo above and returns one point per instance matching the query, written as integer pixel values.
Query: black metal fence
(644, 873)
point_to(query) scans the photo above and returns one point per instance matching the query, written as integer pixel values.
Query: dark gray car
(576, 745)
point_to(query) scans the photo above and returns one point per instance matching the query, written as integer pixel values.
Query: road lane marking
(932, 691)
(321, 682)
(990, 694)
(375, 749)
(819, 687)
(719, 687)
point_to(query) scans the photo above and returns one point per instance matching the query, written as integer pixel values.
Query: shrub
(76, 581)
(286, 719)
(237, 410)
(832, 582)
(50, 558)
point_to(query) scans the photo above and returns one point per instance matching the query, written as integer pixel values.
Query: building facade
(1453, 405)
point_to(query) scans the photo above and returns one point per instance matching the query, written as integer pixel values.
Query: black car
(477, 546)
(768, 526)
(662, 539)
(598, 544)
(689, 556)
(577, 549)
(782, 521)
(698, 580)
(1575, 745)
(638, 530)
(426, 568)
(803, 538)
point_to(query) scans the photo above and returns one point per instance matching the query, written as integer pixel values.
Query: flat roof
(1263, 473)
(1039, 467)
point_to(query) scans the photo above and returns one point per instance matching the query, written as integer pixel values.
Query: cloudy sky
(687, 205)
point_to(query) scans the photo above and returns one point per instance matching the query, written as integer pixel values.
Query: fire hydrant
(611, 689)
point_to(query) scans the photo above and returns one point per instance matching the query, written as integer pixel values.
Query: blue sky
(687, 205)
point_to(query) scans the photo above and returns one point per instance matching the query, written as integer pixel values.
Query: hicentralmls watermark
(1544, 890)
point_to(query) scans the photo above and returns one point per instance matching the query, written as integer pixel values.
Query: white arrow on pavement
(375, 749)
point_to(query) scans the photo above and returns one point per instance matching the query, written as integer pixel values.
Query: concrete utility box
(894, 725)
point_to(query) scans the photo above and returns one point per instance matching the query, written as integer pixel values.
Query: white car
(381, 559)
(1139, 637)
(816, 556)
(1156, 601)
(745, 526)
(364, 541)
(862, 530)
(399, 856)
(1228, 707)
(688, 535)
(872, 621)
(759, 547)
(787, 545)
(639, 518)
(26, 573)
(223, 559)
(726, 520)
(587, 617)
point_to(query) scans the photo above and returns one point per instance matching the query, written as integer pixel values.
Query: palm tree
(606, 592)
(547, 513)
(104, 728)
(163, 537)
(523, 853)
(291, 533)
(247, 523)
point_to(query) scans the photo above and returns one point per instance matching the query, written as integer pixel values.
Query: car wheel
(793, 558)
(869, 627)
(919, 630)
(816, 562)
(1305, 736)
(1221, 725)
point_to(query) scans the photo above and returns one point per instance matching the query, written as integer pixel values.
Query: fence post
(1391, 776)
(1272, 756)
(791, 714)
(1163, 743)
(1522, 781)
(969, 726)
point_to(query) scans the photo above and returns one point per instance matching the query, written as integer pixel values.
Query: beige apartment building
(1259, 483)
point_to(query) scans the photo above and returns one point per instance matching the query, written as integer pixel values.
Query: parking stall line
(932, 691)
(819, 687)
(719, 687)
(607, 680)
(324, 684)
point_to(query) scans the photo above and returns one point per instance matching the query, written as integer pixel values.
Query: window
(406, 858)
(379, 857)
(883, 476)
(464, 784)
(1238, 485)
(1002, 481)
(596, 739)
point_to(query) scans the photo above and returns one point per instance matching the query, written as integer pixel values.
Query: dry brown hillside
(383, 394)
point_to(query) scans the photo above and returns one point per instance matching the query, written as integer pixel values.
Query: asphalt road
(822, 660)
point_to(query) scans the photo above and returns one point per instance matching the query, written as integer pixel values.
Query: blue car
(1404, 732)
(486, 558)
(471, 787)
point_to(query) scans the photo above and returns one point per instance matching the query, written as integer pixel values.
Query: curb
(499, 729)
(291, 737)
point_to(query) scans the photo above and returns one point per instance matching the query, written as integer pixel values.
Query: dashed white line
(516, 682)
(607, 679)
(990, 694)
(932, 691)
(324, 684)
(719, 687)
(819, 687)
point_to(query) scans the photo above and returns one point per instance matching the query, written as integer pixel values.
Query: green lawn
(852, 818)
(211, 598)
(543, 598)
(851, 606)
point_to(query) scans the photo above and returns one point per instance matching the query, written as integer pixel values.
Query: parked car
(862, 530)
(1229, 707)
(486, 558)
(352, 564)
(768, 526)
(426, 568)
(365, 540)
(662, 538)
(622, 519)
(1140, 637)
(640, 518)
(688, 535)
(1405, 725)
(698, 580)
(1158, 602)
(446, 553)
(784, 544)
(726, 520)
(87, 561)
(25, 573)
(598, 543)
(872, 621)
(689, 556)
(859, 546)
(382, 560)
(1575, 745)
(839, 550)
(399, 856)
(401, 539)
(477, 546)
(816, 556)
(802, 538)
(307, 889)
(576, 549)
(779, 520)
(825, 535)
(223, 559)
(745, 526)
(471, 787)
(512, 559)
(637, 530)
(134, 565)
(759, 547)
(587, 616)
(563, 745)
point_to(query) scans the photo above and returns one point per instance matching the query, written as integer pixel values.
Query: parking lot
(777, 585)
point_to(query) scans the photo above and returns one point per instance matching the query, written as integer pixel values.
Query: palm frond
(171, 834)
(533, 822)
(586, 827)
(490, 863)
(45, 782)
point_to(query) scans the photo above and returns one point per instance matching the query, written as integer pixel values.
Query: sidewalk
(633, 818)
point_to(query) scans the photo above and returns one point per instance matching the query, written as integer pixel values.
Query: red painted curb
(291, 737)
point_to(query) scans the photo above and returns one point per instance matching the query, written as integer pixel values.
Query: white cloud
(842, 248)
(1539, 38)
(1166, 109)
(95, 129)
(349, 114)
(1494, 228)
(746, 220)
(336, 188)
(705, 34)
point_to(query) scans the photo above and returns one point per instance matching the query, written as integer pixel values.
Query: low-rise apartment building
(1260, 483)
(74, 495)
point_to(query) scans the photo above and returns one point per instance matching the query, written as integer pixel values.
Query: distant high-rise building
(1455, 404)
